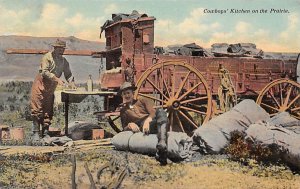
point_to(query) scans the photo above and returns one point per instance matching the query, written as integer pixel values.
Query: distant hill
(24, 66)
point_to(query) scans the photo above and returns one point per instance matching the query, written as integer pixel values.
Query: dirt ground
(207, 172)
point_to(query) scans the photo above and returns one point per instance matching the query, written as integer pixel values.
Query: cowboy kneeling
(139, 115)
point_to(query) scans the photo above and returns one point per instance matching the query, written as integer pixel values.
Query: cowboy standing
(53, 64)
(139, 115)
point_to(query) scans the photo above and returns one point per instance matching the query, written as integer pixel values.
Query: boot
(45, 131)
(161, 147)
(35, 138)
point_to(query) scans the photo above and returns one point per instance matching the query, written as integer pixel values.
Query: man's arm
(146, 126)
(128, 126)
(149, 105)
(67, 71)
(123, 121)
(150, 109)
(45, 67)
(45, 70)
(68, 74)
(132, 127)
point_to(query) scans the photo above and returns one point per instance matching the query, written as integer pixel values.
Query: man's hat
(125, 86)
(59, 43)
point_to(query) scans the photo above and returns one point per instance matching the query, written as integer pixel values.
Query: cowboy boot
(161, 147)
(162, 129)
(35, 138)
(46, 124)
(45, 131)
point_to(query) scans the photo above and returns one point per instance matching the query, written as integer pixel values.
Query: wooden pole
(73, 159)
(67, 114)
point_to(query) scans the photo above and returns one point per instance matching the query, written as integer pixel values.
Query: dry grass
(145, 172)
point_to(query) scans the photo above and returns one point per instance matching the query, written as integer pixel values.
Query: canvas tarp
(267, 134)
(284, 119)
(214, 135)
(55, 141)
(191, 49)
(81, 130)
(179, 144)
(236, 50)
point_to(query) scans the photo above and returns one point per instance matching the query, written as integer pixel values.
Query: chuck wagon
(187, 86)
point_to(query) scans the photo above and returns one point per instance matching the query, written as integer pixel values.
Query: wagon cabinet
(187, 85)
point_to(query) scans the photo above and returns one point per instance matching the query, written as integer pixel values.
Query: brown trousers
(42, 100)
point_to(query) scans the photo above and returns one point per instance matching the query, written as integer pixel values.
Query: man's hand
(146, 126)
(59, 81)
(134, 127)
(72, 85)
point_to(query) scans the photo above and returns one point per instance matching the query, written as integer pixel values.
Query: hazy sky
(177, 21)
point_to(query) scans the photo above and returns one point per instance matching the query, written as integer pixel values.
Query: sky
(204, 22)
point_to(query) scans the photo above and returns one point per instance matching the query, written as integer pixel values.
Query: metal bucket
(16, 133)
(98, 134)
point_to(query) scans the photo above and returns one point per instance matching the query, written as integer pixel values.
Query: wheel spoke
(295, 109)
(151, 97)
(182, 84)
(116, 118)
(164, 82)
(186, 117)
(160, 106)
(192, 110)
(156, 88)
(167, 89)
(180, 124)
(270, 107)
(297, 117)
(190, 90)
(173, 82)
(281, 98)
(196, 106)
(288, 96)
(294, 100)
(277, 103)
(193, 99)
(271, 115)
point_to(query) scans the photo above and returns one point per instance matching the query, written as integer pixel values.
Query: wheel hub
(282, 109)
(173, 104)
(176, 104)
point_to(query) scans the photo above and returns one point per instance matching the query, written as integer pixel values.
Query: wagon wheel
(109, 121)
(181, 90)
(279, 96)
(114, 122)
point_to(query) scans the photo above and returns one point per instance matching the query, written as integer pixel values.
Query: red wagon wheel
(181, 90)
(279, 96)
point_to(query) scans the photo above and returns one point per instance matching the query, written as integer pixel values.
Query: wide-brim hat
(126, 86)
(59, 43)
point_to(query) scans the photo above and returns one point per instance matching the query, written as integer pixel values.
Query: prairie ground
(50, 171)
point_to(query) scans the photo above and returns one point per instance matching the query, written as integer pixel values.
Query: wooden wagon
(187, 86)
